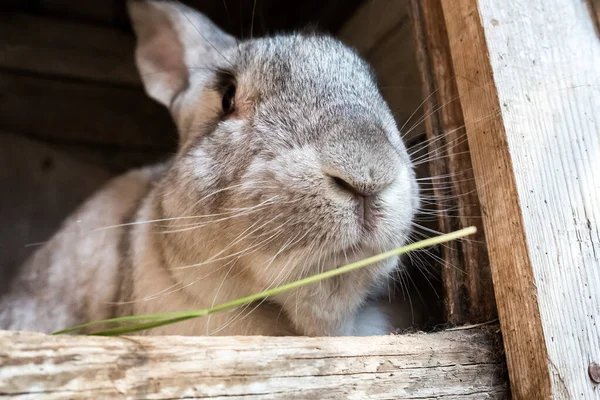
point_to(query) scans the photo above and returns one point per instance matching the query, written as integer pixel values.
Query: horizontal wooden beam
(73, 112)
(420, 366)
(63, 48)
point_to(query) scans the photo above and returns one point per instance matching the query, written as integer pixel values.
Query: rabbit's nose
(364, 192)
(364, 186)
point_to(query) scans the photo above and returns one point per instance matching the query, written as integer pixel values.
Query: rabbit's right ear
(174, 41)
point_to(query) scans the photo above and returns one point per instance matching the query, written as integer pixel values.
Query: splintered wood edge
(438, 365)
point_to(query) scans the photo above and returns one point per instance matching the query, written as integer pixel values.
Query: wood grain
(549, 87)
(107, 12)
(469, 293)
(530, 105)
(420, 366)
(67, 49)
(75, 112)
(512, 271)
(236, 16)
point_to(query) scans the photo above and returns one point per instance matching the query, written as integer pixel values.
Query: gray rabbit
(290, 163)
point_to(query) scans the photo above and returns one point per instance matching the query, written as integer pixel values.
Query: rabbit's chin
(370, 245)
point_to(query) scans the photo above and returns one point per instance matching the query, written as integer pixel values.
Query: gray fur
(308, 109)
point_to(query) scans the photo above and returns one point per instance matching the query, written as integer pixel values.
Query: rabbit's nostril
(344, 185)
(364, 198)
(358, 184)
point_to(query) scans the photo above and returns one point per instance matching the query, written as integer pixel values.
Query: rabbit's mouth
(369, 245)
(368, 214)
(349, 255)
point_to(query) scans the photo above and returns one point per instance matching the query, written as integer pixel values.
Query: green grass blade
(139, 327)
(156, 320)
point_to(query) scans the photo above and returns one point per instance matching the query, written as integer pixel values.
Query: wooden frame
(469, 293)
(527, 73)
(459, 364)
(520, 81)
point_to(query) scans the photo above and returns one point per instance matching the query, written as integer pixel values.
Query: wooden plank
(422, 366)
(469, 293)
(108, 12)
(236, 16)
(68, 49)
(67, 111)
(550, 96)
(540, 214)
(394, 61)
(41, 187)
(512, 272)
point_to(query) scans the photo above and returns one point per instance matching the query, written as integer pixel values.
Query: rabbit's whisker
(252, 210)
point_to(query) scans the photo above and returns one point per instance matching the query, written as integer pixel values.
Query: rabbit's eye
(228, 102)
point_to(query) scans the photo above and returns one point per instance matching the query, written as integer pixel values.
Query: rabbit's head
(287, 148)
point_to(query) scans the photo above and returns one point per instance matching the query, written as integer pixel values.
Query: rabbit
(289, 163)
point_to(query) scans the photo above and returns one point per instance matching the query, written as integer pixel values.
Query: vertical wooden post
(469, 293)
(528, 77)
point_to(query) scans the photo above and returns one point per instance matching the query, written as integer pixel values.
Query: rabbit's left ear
(174, 42)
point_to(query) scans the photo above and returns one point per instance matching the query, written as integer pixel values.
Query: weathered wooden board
(97, 11)
(240, 17)
(446, 365)
(469, 293)
(540, 213)
(67, 49)
(76, 112)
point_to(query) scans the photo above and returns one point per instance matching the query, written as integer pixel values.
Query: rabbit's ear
(173, 42)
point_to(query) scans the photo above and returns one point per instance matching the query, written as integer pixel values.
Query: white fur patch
(371, 321)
